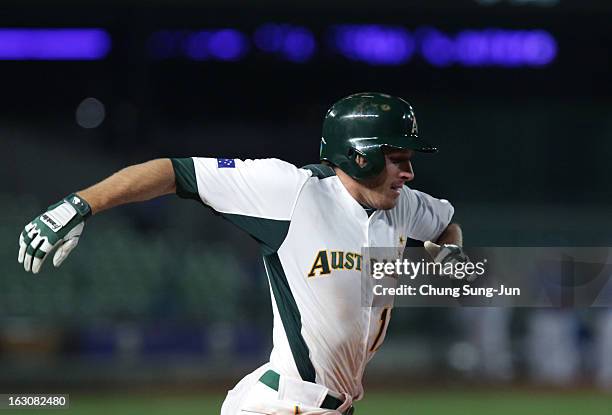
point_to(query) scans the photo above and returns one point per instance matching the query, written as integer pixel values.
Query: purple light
(492, 47)
(228, 45)
(514, 54)
(54, 44)
(196, 45)
(472, 48)
(224, 44)
(437, 48)
(374, 44)
(299, 45)
(269, 37)
(504, 49)
(540, 48)
(294, 43)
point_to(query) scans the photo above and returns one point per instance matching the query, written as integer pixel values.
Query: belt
(271, 380)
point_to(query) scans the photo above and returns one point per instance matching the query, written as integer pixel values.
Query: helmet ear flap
(352, 155)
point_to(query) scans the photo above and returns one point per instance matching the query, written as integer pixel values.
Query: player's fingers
(64, 250)
(40, 255)
(29, 255)
(22, 248)
(27, 240)
(37, 263)
(60, 255)
(27, 261)
(27, 236)
(32, 232)
(432, 249)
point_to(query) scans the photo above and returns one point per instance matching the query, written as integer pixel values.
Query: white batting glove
(448, 253)
(58, 229)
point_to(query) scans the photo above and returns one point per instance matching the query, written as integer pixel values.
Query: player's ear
(361, 161)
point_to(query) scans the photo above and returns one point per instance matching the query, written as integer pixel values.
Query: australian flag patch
(226, 163)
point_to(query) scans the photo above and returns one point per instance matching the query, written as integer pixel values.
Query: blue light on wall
(436, 48)
(294, 43)
(223, 44)
(373, 44)
(195, 46)
(378, 45)
(54, 44)
(489, 47)
(269, 37)
(228, 44)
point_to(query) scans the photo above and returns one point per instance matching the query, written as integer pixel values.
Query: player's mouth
(396, 187)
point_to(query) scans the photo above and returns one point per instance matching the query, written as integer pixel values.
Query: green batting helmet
(362, 124)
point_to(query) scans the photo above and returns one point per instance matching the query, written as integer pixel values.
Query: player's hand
(59, 229)
(448, 253)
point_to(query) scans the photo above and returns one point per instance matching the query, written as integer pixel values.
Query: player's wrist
(82, 207)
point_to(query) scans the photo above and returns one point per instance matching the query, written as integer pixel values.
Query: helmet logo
(385, 107)
(415, 127)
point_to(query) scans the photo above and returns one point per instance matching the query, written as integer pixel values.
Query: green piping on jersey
(270, 234)
(185, 178)
(290, 316)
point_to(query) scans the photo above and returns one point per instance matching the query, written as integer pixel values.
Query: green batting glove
(449, 253)
(59, 228)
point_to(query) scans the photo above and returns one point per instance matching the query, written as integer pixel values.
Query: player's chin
(389, 202)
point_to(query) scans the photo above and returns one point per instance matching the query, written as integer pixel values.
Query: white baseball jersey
(312, 232)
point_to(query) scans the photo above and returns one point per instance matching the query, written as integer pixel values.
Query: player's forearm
(451, 235)
(132, 184)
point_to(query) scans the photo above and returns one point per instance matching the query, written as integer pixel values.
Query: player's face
(382, 192)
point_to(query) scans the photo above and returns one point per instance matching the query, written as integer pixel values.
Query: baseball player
(312, 224)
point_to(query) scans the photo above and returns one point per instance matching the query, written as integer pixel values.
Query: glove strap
(79, 204)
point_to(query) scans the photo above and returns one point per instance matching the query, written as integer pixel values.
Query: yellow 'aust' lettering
(325, 261)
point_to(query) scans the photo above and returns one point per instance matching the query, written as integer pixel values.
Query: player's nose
(406, 172)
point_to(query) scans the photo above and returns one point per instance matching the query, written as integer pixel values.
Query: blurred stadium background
(164, 306)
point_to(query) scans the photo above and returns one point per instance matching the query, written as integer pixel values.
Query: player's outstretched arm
(132, 184)
(60, 226)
